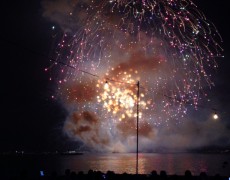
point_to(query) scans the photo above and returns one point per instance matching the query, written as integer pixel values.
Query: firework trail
(167, 45)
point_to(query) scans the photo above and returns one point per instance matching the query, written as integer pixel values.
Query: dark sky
(30, 120)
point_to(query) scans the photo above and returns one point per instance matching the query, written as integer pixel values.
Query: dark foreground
(110, 175)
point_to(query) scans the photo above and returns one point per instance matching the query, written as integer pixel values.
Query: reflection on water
(171, 163)
(119, 163)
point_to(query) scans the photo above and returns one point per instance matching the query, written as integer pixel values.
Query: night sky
(30, 119)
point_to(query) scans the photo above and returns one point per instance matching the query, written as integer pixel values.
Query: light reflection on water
(119, 163)
(171, 163)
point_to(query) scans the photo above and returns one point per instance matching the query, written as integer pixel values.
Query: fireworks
(167, 45)
(120, 98)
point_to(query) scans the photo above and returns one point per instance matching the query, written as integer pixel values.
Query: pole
(138, 94)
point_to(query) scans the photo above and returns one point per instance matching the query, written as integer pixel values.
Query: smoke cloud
(162, 125)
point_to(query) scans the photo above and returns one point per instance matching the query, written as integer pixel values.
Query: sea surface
(119, 163)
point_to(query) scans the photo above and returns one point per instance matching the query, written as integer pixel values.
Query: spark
(120, 98)
(167, 45)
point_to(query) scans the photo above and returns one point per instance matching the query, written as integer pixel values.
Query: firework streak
(167, 45)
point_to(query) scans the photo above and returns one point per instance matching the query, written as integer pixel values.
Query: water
(119, 163)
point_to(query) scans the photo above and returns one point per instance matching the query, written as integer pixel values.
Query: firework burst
(167, 45)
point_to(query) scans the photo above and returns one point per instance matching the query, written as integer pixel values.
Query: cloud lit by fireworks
(167, 45)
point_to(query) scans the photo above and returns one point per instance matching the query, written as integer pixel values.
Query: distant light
(53, 27)
(215, 116)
